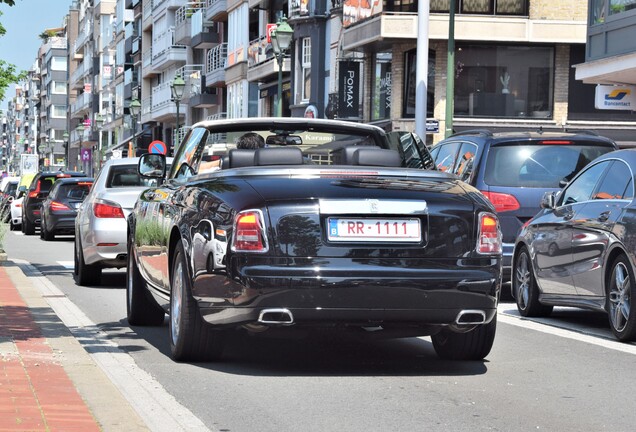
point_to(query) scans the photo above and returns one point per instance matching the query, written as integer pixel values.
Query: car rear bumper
(348, 293)
(61, 223)
(104, 242)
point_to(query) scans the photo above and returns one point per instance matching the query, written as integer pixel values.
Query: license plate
(374, 230)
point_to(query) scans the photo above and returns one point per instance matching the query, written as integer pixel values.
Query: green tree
(8, 73)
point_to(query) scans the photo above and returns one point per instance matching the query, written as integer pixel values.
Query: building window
(410, 84)
(504, 81)
(482, 7)
(58, 87)
(305, 66)
(58, 63)
(58, 111)
(619, 6)
(381, 87)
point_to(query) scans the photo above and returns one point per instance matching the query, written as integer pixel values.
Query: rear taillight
(502, 202)
(489, 234)
(249, 232)
(107, 210)
(58, 206)
(18, 205)
(34, 193)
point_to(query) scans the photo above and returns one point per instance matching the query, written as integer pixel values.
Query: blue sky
(24, 22)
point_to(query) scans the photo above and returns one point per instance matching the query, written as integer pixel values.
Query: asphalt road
(565, 373)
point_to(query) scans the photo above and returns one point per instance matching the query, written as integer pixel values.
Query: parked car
(515, 169)
(59, 209)
(38, 191)
(8, 188)
(16, 205)
(325, 227)
(579, 250)
(100, 226)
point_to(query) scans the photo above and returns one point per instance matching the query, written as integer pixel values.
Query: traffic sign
(157, 147)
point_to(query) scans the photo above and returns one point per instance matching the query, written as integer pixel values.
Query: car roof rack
(583, 131)
(483, 132)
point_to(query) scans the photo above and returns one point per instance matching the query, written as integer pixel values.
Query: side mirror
(549, 200)
(152, 165)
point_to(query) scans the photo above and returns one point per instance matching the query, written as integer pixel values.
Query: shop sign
(610, 97)
(349, 89)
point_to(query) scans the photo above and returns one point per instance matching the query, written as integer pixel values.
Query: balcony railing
(259, 51)
(216, 58)
(146, 106)
(191, 74)
(161, 95)
(146, 58)
(217, 116)
(165, 42)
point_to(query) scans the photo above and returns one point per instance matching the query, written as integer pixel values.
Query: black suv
(515, 169)
(38, 191)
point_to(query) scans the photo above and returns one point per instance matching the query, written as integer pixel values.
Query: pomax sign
(610, 97)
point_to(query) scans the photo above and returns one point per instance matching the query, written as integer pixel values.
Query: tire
(525, 288)
(29, 227)
(85, 274)
(190, 337)
(45, 234)
(141, 310)
(620, 291)
(473, 345)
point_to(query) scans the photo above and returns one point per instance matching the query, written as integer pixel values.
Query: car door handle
(604, 216)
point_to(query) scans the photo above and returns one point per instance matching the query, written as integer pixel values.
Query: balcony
(146, 110)
(165, 52)
(261, 63)
(81, 40)
(187, 17)
(159, 6)
(81, 105)
(163, 108)
(204, 35)
(215, 10)
(146, 20)
(146, 64)
(382, 31)
(83, 69)
(215, 64)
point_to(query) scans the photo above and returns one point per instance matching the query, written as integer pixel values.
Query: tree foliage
(8, 73)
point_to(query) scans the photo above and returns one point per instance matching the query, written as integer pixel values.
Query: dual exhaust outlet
(283, 316)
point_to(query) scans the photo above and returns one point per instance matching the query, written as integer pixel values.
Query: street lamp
(65, 138)
(135, 109)
(281, 39)
(177, 87)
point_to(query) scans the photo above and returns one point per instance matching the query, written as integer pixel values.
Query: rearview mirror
(152, 165)
(548, 201)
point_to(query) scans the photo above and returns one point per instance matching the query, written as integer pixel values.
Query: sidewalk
(47, 380)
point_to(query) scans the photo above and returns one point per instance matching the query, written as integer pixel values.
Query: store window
(410, 84)
(381, 87)
(504, 81)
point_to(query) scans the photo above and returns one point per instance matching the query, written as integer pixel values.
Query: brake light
(63, 175)
(85, 184)
(502, 202)
(58, 206)
(107, 210)
(18, 205)
(489, 235)
(555, 142)
(34, 193)
(249, 235)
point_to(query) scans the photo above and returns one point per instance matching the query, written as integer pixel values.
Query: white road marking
(67, 264)
(506, 315)
(158, 408)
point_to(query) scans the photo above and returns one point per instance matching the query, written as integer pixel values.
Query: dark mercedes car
(579, 250)
(320, 225)
(514, 169)
(59, 209)
(38, 191)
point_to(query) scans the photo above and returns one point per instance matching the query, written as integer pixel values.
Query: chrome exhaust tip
(470, 317)
(276, 316)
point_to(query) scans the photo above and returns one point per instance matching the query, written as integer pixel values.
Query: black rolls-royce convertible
(315, 224)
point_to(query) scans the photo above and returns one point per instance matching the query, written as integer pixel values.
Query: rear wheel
(142, 311)
(85, 274)
(190, 337)
(525, 288)
(472, 345)
(619, 295)
(28, 227)
(45, 234)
